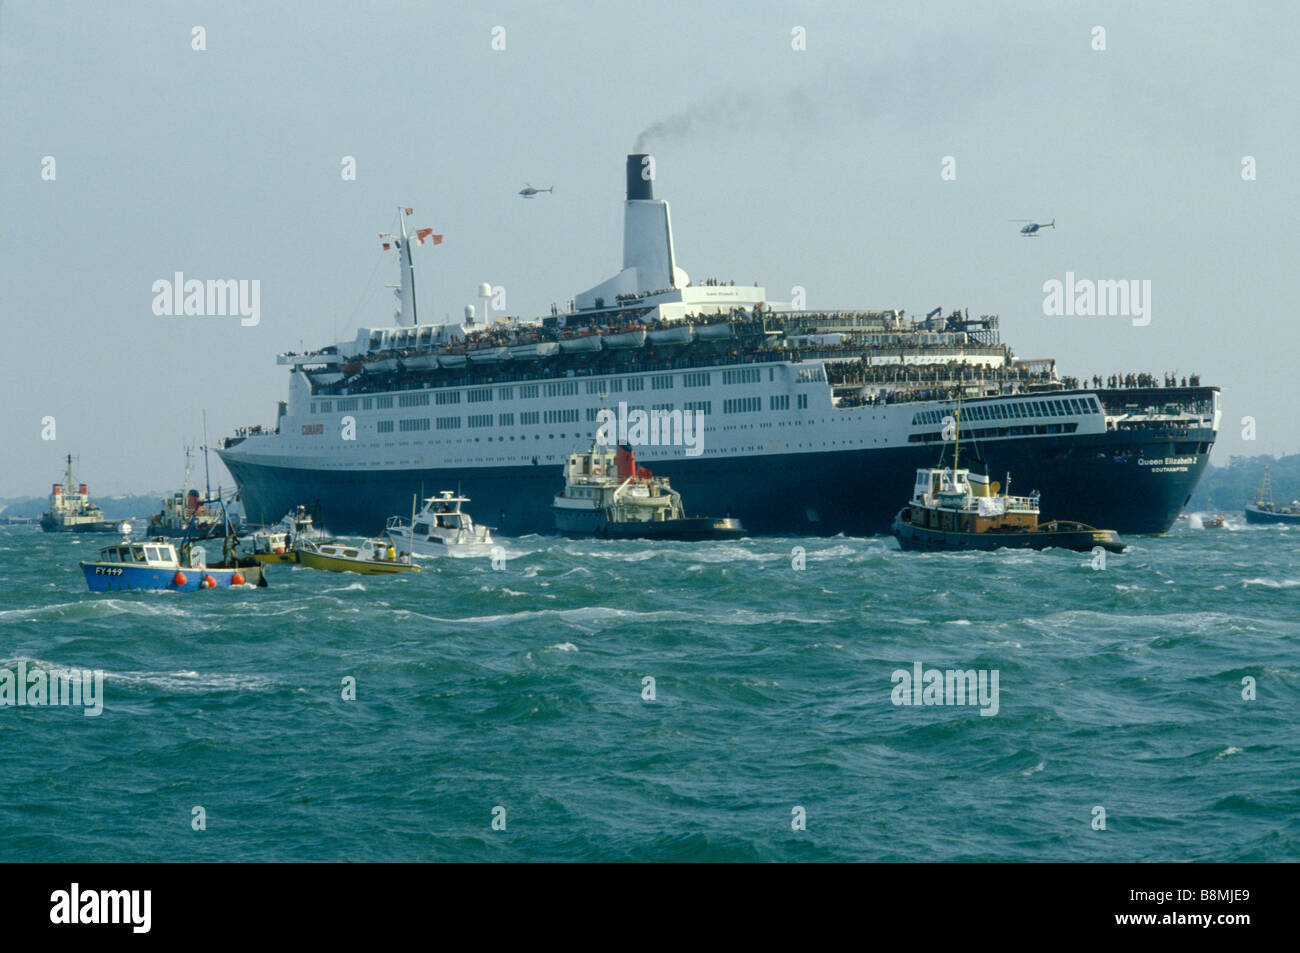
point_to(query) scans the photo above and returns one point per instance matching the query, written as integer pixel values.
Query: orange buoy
(209, 582)
(179, 580)
(237, 579)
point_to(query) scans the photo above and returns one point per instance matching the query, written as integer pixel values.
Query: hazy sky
(818, 168)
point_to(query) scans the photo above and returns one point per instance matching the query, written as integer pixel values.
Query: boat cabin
(155, 553)
(954, 500)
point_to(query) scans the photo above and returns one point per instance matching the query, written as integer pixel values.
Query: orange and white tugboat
(607, 495)
(954, 509)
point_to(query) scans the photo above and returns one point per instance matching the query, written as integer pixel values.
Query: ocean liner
(806, 419)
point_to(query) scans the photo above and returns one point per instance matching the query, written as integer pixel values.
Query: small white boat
(579, 343)
(442, 528)
(451, 360)
(384, 366)
(676, 334)
(714, 332)
(422, 362)
(630, 337)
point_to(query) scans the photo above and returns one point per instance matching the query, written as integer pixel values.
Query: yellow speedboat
(373, 557)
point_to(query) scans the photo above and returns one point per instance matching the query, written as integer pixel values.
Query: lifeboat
(631, 336)
(455, 357)
(489, 355)
(677, 334)
(534, 350)
(575, 342)
(714, 332)
(384, 365)
(423, 362)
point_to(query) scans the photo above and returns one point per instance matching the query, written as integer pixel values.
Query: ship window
(422, 528)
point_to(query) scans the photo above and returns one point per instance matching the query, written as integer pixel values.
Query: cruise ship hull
(1131, 482)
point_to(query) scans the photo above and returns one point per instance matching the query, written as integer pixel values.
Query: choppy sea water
(523, 689)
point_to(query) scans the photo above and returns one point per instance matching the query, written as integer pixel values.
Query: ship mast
(406, 290)
(67, 478)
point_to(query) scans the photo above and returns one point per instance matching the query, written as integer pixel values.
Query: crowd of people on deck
(1170, 379)
(256, 430)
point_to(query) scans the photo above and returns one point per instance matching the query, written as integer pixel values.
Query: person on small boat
(392, 553)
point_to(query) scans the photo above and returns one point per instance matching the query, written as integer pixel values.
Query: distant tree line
(1225, 489)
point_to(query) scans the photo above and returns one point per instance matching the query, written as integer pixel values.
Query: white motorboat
(442, 528)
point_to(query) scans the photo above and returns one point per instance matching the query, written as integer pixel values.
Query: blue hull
(1102, 479)
(118, 577)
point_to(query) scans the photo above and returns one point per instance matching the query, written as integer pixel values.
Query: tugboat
(1264, 510)
(605, 494)
(442, 528)
(72, 512)
(954, 509)
(183, 513)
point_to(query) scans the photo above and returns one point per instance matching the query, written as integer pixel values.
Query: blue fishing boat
(155, 563)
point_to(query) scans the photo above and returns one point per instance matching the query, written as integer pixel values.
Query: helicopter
(1031, 230)
(528, 191)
